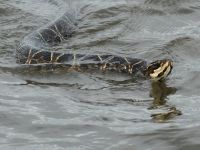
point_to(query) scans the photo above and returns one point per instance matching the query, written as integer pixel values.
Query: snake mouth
(160, 69)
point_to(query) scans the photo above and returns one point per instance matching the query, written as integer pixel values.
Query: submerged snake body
(34, 50)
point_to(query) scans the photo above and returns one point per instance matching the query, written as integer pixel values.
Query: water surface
(92, 110)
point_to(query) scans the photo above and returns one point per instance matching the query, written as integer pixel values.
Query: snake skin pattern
(34, 47)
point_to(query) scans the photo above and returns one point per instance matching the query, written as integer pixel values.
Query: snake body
(33, 49)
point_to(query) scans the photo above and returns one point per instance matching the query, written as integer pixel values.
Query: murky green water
(59, 110)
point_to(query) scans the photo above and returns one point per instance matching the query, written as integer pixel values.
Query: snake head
(160, 69)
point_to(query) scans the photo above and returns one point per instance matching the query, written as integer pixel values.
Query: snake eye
(153, 66)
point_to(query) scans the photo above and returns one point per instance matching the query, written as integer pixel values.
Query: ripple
(165, 3)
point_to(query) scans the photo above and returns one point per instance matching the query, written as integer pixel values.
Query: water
(91, 110)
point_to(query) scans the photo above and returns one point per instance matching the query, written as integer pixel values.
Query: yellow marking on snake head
(160, 69)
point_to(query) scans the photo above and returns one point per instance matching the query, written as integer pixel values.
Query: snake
(35, 49)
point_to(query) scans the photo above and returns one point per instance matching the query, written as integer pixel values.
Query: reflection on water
(160, 91)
